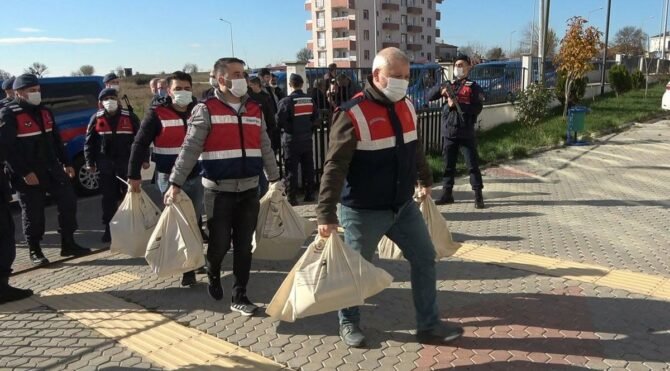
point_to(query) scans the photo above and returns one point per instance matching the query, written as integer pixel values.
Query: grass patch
(514, 140)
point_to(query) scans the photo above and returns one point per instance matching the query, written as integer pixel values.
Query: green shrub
(577, 90)
(532, 104)
(620, 79)
(638, 79)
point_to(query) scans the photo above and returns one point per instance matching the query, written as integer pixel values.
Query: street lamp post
(646, 57)
(232, 45)
(510, 42)
(607, 34)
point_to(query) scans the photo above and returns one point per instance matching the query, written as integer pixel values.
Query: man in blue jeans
(373, 165)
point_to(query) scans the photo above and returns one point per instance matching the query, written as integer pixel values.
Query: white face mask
(238, 88)
(396, 89)
(459, 72)
(115, 87)
(213, 82)
(110, 105)
(34, 98)
(182, 97)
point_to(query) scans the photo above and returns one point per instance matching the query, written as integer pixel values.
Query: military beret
(25, 81)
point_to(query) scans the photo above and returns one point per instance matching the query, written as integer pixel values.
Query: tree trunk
(568, 85)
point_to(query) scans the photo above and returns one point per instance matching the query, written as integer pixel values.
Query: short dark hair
(181, 76)
(255, 80)
(332, 66)
(222, 64)
(246, 75)
(265, 72)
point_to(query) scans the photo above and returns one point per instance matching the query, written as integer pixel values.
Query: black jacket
(296, 126)
(268, 112)
(471, 100)
(149, 129)
(39, 154)
(107, 151)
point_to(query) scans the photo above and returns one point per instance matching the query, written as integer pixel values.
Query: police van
(73, 100)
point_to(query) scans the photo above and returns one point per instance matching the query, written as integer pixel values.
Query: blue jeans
(193, 188)
(362, 231)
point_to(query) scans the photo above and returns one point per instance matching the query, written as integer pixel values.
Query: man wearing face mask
(460, 133)
(109, 137)
(9, 91)
(165, 126)
(38, 165)
(227, 134)
(161, 92)
(374, 162)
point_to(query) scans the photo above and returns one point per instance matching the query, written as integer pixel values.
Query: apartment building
(349, 32)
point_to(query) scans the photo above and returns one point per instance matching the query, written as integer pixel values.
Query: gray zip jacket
(199, 126)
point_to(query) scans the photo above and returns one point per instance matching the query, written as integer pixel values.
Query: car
(665, 102)
(502, 80)
(73, 100)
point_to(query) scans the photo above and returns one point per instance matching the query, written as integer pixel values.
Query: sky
(152, 36)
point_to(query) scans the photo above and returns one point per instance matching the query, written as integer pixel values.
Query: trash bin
(576, 116)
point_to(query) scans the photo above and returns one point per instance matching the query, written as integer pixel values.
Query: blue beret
(109, 92)
(109, 77)
(25, 81)
(296, 79)
(7, 84)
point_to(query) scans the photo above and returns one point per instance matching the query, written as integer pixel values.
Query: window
(366, 55)
(429, 22)
(321, 39)
(366, 35)
(319, 4)
(429, 56)
(403, 2)
(320, 19)
(403, 19)
(429, 39)
(422, 54)
(366, 14)
(70, 96)
(403, 38)
(430, 5)
(422, 37)
(422, 20)
(322, 59)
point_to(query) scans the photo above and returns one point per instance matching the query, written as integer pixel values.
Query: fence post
(298, 68)
(527, 70)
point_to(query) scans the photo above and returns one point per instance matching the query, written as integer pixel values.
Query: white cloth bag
(437, 228)
(280, 231)
(133, 223)
(329, 276)
(176, 245)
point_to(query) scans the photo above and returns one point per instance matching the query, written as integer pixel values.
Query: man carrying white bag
(133, 223)
(327, 277)
(175, 246)
(280, 232)
(437, 228)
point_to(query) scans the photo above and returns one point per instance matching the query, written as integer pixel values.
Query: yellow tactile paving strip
(152, 335)
(638, 283)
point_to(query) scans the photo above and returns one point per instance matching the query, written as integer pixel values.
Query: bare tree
(495, 53)
(630, 40)
(304, 55)
(532, 32)
(86, 70)
(190, 68)
(474, 50)
(38, 69)
(4, 75)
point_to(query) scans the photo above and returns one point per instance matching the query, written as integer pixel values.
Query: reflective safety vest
(232, 149)
(115, 143)
(123, 127)
(26, 124)
(383, 171)
(169, 141)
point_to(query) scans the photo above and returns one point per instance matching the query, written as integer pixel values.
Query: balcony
(414, 47)
(344, 43)
(438, 16)
(308, 25)
(437, 32)
(349, 62)
(343, 4)
(391, 6)
(310, 45)
(390, 26)
(390, 44)
(344, 23)
(414, 10)
(308, 5)
(416, 29)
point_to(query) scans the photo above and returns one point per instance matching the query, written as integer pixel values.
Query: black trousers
(299, 154)
(113, 192)
(468, 147)
(32, 201)
(231, 217)
(7, 243)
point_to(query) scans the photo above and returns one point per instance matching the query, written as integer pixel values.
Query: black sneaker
(440, 335)
(352, 335)
(37, 258)
(214, 288)
(479, 200)
(9, 293)
(68, 247)
(244, 306)
(188, 279)
(446, 198)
